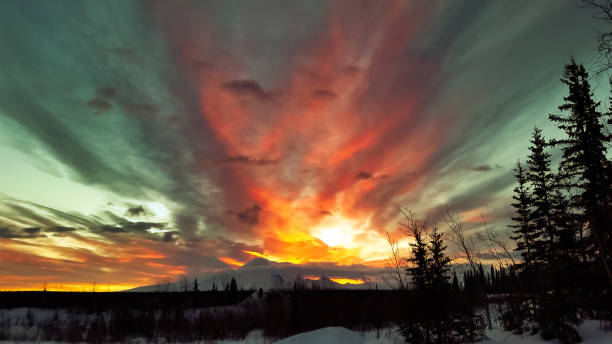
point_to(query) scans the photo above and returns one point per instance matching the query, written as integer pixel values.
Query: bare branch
(454, 222)
(496, 243)
(395, 264)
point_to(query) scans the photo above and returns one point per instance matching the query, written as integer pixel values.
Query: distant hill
(262, 273)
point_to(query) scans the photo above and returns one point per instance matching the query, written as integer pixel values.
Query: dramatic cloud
(145, 140)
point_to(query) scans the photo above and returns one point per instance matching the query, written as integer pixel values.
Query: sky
(141, 141)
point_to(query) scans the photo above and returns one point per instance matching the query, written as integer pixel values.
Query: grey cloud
(481, 168)
(28, 215)
(111, 229)
(364, 175)
(26, 233)
(324, 94)
(134, 211)
(60, 229)
(250, 216)
(170, 236)
(131, 227)
(246, 88)
(99, 104)
(243, 159)
(32, 230)
(141, 226)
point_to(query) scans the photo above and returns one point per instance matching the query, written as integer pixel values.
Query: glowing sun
(336, 231)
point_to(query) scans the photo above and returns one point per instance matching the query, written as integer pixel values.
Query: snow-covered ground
(341, 335)
(590, 330)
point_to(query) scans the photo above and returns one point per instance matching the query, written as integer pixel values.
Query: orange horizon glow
(343, 280)
(74, 287)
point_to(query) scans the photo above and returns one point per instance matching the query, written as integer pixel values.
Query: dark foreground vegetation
(563, 220)
(277, 313)
(120, 300)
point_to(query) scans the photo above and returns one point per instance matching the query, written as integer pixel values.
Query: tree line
(563, 218)
(562, 228)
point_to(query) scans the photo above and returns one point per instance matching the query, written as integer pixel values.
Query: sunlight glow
(342, 280)
(337, 231)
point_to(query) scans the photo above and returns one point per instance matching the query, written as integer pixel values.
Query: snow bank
(331, 335)
(341, 335)
(591, 332)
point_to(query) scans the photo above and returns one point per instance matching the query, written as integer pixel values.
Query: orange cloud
(231, 261)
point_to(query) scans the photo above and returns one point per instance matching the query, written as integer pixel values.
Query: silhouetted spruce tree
(482, 278)
(492, 280)
(439, 263)
(420, 260)
(557, 307)
(436, 313)
(455, 283)
(570, 236)
(196, 286)
(233, 286)
(541, 179)
(520, 312)
(524, 233)
(584, 162)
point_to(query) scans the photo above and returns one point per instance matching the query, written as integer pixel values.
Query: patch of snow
(331, 335)
(591, 332)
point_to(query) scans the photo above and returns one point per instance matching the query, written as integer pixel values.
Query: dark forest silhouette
(563, 220)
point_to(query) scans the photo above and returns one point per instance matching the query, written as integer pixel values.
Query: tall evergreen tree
(439, 261)
(233, 286)
(584, 160)
(420, 260)
(196, 285)
(524, 233)
(455, 283)
(541, 179)
(436, 311)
